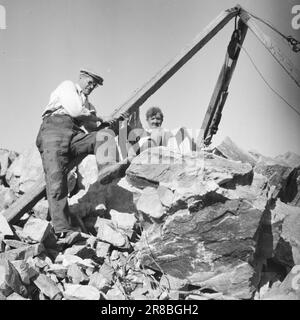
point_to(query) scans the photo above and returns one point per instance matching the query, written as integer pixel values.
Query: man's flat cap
(92, 74)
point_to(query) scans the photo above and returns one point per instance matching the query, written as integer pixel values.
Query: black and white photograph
(149, 151)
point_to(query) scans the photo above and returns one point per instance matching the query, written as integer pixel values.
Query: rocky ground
(217, 225)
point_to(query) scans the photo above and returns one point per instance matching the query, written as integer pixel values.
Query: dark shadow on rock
(120, 199)
(199, 202)
(284, 253)
(92, 190)
(290, 191)
(241, 180)
(264, 247)
(113, 197)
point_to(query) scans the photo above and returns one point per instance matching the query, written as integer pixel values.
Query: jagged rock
(23, 253)
(287, 250)
(87, 264)
(48, 287)
(14, 244)
(214, 244)
(258, 193)
(74, 237)
(293, 188)
(6, 159)
(90, 199)
(25, 170)
(279, 178)
(69, 259)
(26, 272)
(102, 249)
(5, 229)
(42, 262)
(7, 197)
(107, 271)
(40, 210)
(229, 150)
(76, 275)
(166, 196)
(115, 255)
(149, 203)
(173, 285)
(235, 282)
(87, 171)
(37, 229)
(10, 280)
(175, 171)
(108, 233)
(123, 220)
(100, 282)
(209, 232)
(278, 236)
(59, 270)
(289, 289)
(81, 292)
(121, 196)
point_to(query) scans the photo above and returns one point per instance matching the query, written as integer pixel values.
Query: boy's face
(155, 121)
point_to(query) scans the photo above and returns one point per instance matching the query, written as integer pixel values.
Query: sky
(127, 42)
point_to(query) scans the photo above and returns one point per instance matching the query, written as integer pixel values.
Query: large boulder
(210, 247)
(208, 234)
(25, 170)
(174, 170)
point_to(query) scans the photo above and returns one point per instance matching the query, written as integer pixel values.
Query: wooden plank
(174, 65)
(27, 201)
(220, 92)
(271, 46)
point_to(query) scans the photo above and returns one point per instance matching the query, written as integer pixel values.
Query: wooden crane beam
(174, 65)
(218, 99)
(271, 46)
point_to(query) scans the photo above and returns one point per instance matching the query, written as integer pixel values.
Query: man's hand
(108, 119)
(111, 120)
(124, 116)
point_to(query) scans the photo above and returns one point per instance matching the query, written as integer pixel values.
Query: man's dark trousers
(59, 141)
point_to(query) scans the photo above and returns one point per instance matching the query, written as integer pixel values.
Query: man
(68, 131)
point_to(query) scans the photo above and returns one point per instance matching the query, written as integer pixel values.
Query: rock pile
(214, 225)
